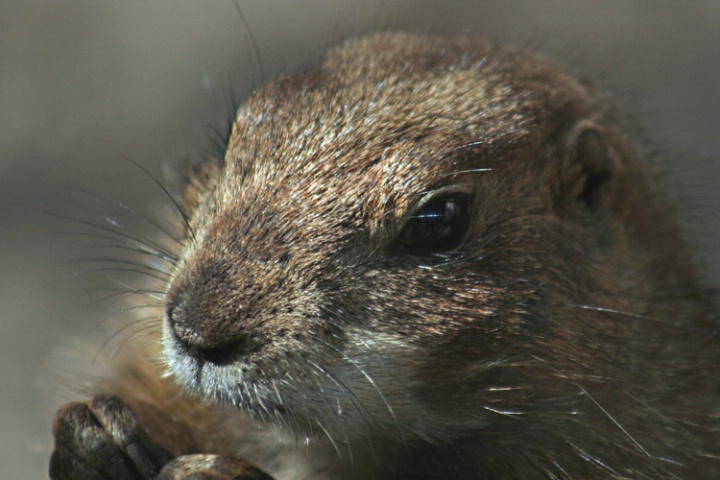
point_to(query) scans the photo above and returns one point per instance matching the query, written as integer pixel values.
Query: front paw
(211, 467)
(101, 440)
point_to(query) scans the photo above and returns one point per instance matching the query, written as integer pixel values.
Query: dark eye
(439, 226)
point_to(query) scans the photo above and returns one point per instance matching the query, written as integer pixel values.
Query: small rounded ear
(589, 166)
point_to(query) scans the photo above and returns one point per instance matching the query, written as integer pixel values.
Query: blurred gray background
(85, 86)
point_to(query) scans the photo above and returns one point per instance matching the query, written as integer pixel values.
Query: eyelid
(431, 196)
(446, 191)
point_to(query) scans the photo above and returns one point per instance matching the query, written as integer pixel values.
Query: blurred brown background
(86, 85)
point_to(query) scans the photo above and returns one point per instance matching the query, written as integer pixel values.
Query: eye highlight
(438, 226)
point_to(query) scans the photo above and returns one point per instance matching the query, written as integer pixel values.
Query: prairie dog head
(400, 237)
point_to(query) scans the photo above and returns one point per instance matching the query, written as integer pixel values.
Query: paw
(101, 440)
(211, 467)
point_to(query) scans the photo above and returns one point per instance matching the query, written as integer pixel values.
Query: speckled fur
(560, 340)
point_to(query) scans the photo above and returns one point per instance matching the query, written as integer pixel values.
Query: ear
(588, 168)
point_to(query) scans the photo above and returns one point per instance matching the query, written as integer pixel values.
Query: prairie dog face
(390, 237)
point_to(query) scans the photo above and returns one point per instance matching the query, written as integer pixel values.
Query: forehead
(383, 119)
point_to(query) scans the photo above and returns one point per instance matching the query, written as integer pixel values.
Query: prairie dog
(424, 258)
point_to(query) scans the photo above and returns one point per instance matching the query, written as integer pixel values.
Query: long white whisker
(617, 423)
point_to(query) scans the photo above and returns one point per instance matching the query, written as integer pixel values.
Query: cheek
(403, 365)
(430, 314)
(408, 380)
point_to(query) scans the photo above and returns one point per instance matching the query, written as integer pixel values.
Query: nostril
(225, 353)
(222, 355)
(182, 326)
(173, 312)
(187, 322)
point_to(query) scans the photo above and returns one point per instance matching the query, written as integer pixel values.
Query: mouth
(293, 389)
(223, 375)
(234, 374)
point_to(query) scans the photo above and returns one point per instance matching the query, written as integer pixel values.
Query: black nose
(218, 339)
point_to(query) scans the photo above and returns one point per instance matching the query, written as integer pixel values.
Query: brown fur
(567, 336)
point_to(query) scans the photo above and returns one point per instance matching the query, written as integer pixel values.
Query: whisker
(362, 371)
(151, 246)
(353, 398)
(253, 44)
(148, 272)
(153, 223)
(330, 437)
(121, 261)
(472, 170)
(123, 247)
(615, 312)
(467, 146)
(129, 247)
(617, 423)
(142, 265)
(123, 331)
(141, 307)
(180, 211)
(119, 295)
(506, 413)
(291, 421)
